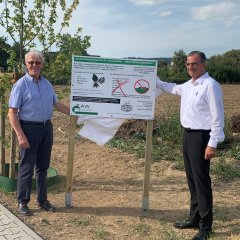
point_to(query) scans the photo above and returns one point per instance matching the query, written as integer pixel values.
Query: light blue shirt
(33, 99)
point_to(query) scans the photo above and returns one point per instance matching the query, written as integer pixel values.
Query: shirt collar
(29, 78)
(200, 79)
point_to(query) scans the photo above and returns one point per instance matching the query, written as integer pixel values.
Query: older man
(31, 106)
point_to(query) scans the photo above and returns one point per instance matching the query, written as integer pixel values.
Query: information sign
(118, 88)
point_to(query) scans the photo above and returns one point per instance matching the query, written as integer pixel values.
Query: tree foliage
(224, 68)
(179, 60)
(4, 46)
(58, 65)
(176, 71)
(29, 21)
(163, 70)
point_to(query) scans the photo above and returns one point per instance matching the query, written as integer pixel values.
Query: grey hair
(36, 53)
(200, 54)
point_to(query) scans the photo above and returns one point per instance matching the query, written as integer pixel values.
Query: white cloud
(224, 12)
(153, 2)
(165, 13)
(231, 20)
(147, 2)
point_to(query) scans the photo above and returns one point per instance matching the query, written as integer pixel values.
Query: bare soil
(107, 192)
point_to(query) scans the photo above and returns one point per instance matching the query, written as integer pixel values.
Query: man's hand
(209, 152)
(22, 139)
(23, 142)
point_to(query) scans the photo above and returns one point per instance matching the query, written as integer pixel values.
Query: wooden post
(148, 153)
(2, 137)
(2, 127)
(12, 173)
(68, 192)
(12, 170)
(13, 144)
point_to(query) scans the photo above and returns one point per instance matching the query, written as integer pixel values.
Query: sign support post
(68, 192)
(148, 153)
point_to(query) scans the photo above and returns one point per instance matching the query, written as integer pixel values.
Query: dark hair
(201, 54)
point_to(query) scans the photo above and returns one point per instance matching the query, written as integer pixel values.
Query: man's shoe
(201, 235)
(185, 225)
(47, 206)
(23, 209)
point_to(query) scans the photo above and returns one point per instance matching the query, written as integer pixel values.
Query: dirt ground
(108, 187)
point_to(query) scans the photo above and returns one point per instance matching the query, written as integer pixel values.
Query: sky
(157, 28)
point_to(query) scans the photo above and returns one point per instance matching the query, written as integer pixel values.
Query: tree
(179, 72)
(16, 48)
(225, 68)
(73, 45)
(29, 21)
(179, 60)
(58, 65)
(232, 58)
(163, 69)
(4, 46)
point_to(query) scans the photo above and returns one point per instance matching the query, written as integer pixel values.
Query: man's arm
(217, 123)
(171, 88)
(60, 107)
(14, 121)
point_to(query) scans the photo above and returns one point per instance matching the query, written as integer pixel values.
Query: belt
(47, 122)
(196, 130)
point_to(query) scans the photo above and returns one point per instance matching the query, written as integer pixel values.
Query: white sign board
(118, 88)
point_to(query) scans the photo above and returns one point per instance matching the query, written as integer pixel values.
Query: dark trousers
(40, 138)
(198, 178)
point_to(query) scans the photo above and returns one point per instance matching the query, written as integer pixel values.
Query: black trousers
(40, 138)
(198, 178)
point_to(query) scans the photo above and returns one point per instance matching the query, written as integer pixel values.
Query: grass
(80, 222)
(169, 234)
(233, 151)
(226, 171)
(166, 140)
(142, 229)
(222, 215)
(167, 145)
(101, 234)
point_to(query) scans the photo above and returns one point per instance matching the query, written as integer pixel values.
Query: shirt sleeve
(215, 99)
(171, 88)
(16, 96)
(55, 98)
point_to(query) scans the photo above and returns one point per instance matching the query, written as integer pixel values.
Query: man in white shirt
(202, 117)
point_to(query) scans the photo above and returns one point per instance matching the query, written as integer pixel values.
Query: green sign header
(149, 63)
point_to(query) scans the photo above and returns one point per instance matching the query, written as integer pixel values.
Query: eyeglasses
(194, 64)
(36, 63)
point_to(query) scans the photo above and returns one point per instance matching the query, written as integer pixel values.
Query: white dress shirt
(201, 105)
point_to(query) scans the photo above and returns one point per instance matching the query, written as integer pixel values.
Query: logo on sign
(84, 106)
(79, 108)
